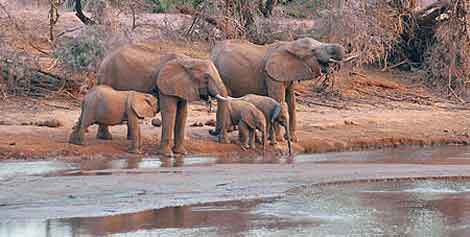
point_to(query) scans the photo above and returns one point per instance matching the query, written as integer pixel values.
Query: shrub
(84, 51)
(159, 6)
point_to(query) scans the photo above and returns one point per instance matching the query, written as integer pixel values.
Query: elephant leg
(103, 133)
(265, 138)
(277, 91)
(290, 97)
(278, 132)
(243, 132)
(129, 132)
(78, 134)
(252, 138)
(220, 127)
(272, 133)
(134, 129)
(181, 119)
(168, 109)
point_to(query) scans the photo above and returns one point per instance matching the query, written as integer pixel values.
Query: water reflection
(9, 169)
(216, 219)
(410, 155)
(422, 208)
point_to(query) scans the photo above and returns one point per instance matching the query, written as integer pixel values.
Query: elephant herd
(237, 69)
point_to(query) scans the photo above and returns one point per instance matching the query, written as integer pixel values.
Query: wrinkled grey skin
(276, 115)
(246, 116)
(271, 70)
(105, 106)
(175, 79)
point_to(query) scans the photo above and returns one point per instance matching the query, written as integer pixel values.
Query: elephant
(246, 116)
(274, 112)
(271, 70)
(105, 106)
(175, 79)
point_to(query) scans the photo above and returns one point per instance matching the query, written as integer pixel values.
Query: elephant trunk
(330, 53)
(220, 115)
(217, 86)
(289, 142)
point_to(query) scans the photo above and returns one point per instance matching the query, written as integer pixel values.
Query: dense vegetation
(398, 34)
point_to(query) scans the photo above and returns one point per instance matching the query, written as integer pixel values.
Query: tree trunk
(79, 13)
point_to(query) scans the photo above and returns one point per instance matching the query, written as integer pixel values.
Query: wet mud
(399, 208)
(141, 165)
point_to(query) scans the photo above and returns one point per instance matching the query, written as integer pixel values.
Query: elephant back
(131, 68)
(239, 64)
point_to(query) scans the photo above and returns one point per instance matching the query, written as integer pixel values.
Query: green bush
(159, 6)
(84, 51)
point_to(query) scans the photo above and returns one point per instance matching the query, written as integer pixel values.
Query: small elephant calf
(247, 117)
(105, 106)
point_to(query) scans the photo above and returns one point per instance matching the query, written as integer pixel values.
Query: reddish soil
(371, 109)
(360, 113)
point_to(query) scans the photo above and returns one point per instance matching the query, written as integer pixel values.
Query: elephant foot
(252, 146)
(76, 139)
(104, 136)
(293, 137)
(245, 147)
(180, 150)
(134, 150)
(223, 139)
(165, 151)
(280, 138)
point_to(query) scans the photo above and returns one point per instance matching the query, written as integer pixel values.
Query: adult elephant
(271, 70)
(175, 79)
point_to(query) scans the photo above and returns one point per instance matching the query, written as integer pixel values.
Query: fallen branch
(68, 31)
(358, 74)
(321, 104)
(57, 106)
(455, 95)
(394, 66)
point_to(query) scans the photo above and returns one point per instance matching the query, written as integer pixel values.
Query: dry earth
(365, 112)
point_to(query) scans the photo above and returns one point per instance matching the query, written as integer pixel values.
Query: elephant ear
(281, 65)
(249, 116)
(144, 106)
(302, 47)
(175, 79)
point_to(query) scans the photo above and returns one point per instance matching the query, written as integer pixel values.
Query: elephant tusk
(334, 61)
(350, 58)
(219, 97)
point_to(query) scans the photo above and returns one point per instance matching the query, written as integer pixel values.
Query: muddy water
(9, 169)
(421, 208)
(407, 155)
(404, 155)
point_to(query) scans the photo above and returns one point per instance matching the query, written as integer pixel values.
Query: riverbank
(39, 128)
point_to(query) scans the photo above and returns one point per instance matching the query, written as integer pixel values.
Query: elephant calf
(106, 106)
(246, 116)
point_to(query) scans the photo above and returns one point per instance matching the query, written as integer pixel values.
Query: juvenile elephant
(275, 113)
(105, 106)
(246, 116)
(175, 79)
(271, 70)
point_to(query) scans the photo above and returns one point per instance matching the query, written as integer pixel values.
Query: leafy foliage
(83, 51)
